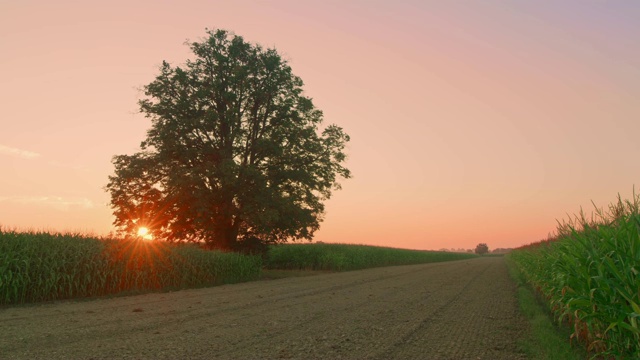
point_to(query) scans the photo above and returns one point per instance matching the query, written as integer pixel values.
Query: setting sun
(143, 232)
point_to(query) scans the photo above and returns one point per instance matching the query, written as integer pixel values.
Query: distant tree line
(479, 250)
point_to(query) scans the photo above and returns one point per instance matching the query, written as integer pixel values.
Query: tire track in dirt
(427, 321)
(482, 321)
(104, 329)
(455, 310)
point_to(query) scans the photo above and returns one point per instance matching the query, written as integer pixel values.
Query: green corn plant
(343, 257)
(37, 266)
(589, 274)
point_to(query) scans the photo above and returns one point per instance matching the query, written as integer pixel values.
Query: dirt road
(455, 310)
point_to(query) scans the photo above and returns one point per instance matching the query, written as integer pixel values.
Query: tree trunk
(226, 227)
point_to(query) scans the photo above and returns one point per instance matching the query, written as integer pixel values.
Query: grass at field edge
(545, 339)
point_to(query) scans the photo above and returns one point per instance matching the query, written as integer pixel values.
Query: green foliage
(36, 266)
(544, 340)
(342, 257)
(235, 153)
(589, 275)
(482, 249)
(41, 266)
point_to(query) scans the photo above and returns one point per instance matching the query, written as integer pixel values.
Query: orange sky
(470, 121)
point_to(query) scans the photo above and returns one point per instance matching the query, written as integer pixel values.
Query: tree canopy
(236, 153)
(482, 249)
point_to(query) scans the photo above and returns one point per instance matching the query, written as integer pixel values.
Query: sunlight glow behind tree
(144, 233)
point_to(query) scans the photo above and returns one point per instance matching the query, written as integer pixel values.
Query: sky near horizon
(469, 121)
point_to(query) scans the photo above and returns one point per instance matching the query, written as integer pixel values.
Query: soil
(453, 310)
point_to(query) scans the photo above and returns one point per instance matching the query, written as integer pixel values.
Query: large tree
(236, 154)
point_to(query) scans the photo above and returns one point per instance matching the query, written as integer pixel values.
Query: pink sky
(470, 121)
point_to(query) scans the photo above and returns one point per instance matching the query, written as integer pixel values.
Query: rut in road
(454, 310)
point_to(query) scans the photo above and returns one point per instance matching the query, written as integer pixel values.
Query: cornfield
(341, 257)
(589, 274)
(36, 266)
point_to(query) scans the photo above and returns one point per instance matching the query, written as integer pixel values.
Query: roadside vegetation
(546, 340)
(41, 266)
(38, 266)
(341, 257)
(588, 274)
